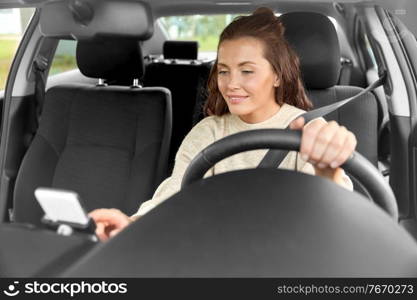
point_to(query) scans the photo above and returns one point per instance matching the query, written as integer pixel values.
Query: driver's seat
(315, 40)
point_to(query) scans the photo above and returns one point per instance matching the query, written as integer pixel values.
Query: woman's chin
(238, 111)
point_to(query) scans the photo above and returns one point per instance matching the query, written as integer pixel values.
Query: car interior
(110, 129)
(131, 159)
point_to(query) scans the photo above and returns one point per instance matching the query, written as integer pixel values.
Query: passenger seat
(108, 143)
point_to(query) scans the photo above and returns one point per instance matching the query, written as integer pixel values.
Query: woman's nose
(233, 82)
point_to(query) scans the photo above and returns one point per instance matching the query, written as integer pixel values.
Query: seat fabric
(107, 143)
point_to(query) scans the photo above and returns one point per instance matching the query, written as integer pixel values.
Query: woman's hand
(109, 222)
(325, 145)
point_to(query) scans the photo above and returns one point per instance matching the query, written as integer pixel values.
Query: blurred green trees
(202, 28)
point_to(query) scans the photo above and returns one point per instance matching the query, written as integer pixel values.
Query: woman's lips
(237, 99)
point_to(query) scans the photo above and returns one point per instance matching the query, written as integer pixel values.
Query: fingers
(100, 232)
(324, 137)
(329, 143)
(326, 145)
(347, 150)
(308, 138)
(114, 232)
(297, 123)
(109, 222)
(334, 148)
(112, 216)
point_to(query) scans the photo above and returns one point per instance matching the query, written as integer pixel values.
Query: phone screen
(61, 206)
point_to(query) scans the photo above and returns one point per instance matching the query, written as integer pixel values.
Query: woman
(255, 83)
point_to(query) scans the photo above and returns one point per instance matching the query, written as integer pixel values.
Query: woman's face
(246, 79)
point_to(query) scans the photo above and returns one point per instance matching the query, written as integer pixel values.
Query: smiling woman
(251, 87)
(244, 220)
(252, 102)
(262, 40)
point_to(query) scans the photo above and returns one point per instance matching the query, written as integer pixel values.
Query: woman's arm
(111, 221)
(337, 175)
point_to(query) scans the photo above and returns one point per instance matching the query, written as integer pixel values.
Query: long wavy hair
(263, 25)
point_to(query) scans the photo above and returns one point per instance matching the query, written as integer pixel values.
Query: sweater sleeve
(196, 140)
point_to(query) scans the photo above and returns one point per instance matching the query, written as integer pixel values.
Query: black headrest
(180, 50)
(111, 59)
(314, 38)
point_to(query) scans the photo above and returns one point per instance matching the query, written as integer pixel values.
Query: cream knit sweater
(213, 128)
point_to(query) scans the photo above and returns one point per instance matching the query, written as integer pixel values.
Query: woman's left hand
(326, 145)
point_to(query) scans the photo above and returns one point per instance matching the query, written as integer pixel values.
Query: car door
(13, 23)
(404, 44)
(392, 34)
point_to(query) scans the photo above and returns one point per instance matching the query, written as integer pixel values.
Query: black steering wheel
(357, 166)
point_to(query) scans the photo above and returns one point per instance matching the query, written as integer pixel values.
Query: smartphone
(63, 207)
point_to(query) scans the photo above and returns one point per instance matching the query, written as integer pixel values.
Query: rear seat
(108, 143)
(185, 76)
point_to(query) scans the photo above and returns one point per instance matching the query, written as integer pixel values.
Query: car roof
(160, 8)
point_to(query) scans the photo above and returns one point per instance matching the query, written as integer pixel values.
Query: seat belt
(39, 66)
(346, 70)
(274, 157)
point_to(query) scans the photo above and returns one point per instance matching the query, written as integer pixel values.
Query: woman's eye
(247, 72)
(221, 72)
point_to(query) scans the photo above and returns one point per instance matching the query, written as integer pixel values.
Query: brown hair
(263, 25)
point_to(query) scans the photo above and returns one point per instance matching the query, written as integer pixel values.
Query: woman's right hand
(109, 222)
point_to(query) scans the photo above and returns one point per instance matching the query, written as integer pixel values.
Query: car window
(13, 22)
(65, 58)
(205, 29)
(202, 28)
